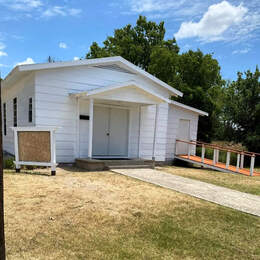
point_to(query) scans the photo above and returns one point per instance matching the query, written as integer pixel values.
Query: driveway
(223, 196)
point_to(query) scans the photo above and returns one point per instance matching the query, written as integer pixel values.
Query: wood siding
(174, 116)
(52, 106)
(23, 90)
(55, 107)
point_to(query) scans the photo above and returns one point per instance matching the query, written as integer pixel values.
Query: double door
(110, 132)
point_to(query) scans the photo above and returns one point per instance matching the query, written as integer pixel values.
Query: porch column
(78, 129)
(90, 133)
(139, 131)
(155, 131)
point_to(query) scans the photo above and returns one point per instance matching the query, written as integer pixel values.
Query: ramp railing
(188, 149)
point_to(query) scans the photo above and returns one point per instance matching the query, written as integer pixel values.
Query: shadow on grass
(24, 172)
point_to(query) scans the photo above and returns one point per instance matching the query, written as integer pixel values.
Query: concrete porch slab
(106, 164)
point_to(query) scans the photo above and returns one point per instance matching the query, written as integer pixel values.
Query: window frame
(15, 112)
(30, 110)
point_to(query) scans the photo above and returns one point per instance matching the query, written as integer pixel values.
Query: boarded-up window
(30, 110)
(34, 146)
(4, 108)
(15, 111)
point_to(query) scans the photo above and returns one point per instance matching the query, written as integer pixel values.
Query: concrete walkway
(223, 196)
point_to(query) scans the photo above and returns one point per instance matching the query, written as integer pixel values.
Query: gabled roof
(195, 110)
(117, 60)
(127, 84)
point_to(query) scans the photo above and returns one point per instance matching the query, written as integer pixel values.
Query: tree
(2, 234)
(50, 59)
(134, 43)
(242, 109)
(198, 77)
(195, 74)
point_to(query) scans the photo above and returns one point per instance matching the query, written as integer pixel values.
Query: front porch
(112, 163)
(118, 122)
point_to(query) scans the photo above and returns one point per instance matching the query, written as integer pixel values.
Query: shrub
(9, 163)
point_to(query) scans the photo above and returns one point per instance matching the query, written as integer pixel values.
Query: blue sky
(31, 30)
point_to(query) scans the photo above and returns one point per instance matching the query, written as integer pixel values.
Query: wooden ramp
(218, 166)
(214, 163)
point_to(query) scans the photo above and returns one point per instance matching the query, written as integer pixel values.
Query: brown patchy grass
(102, 215)
(234, 181)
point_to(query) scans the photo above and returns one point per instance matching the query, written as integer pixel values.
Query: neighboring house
(104, 107)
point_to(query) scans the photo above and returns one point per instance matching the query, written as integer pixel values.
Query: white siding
(174, 116)
(22, 90)
(147, 132)
(54, 106)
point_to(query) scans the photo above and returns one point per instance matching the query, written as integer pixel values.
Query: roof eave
(107, 60)
(195, 110)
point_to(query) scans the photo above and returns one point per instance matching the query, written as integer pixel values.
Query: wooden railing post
(189, 150)
(176, 147)
(214, 157)
(242, 161)
(217, 156)
(203, 153)
(228, 160)
(238, 161)
(252, 165)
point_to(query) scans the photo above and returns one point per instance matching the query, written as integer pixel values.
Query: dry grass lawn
(102, 215)
(233, 181)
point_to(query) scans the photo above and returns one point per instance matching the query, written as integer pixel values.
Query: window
(4, 118)
(30, 110)
(15, 111)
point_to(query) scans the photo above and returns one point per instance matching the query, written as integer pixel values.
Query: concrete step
(111, 167)
(109, 163)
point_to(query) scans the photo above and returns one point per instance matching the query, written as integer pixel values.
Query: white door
(100, 131)
(110, 132)
(118, 134)
(183, 134)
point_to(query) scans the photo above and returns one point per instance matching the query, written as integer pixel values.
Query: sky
(32, 30)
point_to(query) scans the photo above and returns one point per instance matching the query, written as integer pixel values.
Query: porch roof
(130, 91)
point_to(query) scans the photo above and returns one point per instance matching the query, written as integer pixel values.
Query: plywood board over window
(35, 146)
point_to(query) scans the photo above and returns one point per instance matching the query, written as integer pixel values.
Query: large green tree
(195, 74)
(241, 111)
(198, 77)
(200, 81)
(134, 43)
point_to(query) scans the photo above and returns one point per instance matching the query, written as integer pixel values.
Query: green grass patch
(229, 180)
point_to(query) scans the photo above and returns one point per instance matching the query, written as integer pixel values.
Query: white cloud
(74, 11)
(61, 11)
(2, 53)
(4, 66)
(243, 51)
(35, 9)
(27, 61)
(23, 5)
(63, 45)
(161, 9)
(2, 46)
(214, 23)
(140, 6)
(76, 58)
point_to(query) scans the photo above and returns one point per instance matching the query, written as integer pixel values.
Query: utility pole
(2, 233)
